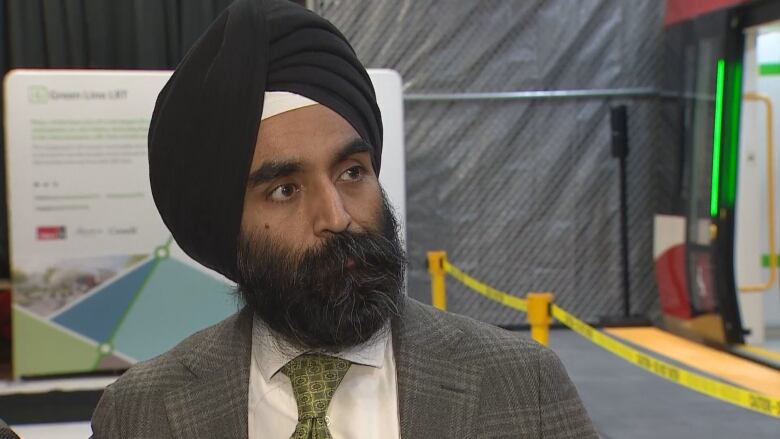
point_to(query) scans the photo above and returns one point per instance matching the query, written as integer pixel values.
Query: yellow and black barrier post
(540, 316)
(436, 261)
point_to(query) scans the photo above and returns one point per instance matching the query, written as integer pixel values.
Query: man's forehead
(309, 130)
(331, 151)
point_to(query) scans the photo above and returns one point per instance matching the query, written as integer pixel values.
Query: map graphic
(134, 315)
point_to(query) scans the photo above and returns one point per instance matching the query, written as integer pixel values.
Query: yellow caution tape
(484, 289)
(708, 386)
(702, 384)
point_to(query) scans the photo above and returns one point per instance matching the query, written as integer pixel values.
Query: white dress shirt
(365, 404)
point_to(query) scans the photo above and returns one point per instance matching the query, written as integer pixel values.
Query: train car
(716, 231)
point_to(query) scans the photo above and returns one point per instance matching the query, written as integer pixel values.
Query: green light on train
(734, 110)
(716, 139)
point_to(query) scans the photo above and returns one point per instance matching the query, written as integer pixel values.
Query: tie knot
(314, 379)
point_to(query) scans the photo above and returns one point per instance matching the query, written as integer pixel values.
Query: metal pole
(624, 237)
(619, 126)
(535, 95)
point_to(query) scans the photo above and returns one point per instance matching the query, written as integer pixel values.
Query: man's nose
(330, 214)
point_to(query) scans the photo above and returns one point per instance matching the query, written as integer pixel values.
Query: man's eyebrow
(354, 147)
(272, 170)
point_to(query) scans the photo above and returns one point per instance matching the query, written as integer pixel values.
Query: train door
(694, 252)
(756, 236)
(700, 244)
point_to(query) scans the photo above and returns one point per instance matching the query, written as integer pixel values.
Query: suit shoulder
(487, 345)
(161, 373)
(506, 359)
(475, 329)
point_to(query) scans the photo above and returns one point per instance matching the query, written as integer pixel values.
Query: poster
(98, 282)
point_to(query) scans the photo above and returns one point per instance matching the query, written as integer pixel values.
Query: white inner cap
(278, 102)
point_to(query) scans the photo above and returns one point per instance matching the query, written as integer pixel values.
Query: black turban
(205, 122)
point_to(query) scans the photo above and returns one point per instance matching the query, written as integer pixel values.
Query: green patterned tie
(314, 378)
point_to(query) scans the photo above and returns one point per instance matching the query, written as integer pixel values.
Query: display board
(98, 282)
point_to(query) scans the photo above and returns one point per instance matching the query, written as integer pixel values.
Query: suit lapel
(437, 396)
(214, 403)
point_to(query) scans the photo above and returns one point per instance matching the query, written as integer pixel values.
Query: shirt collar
(271, 352)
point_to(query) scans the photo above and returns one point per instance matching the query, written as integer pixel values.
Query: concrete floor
(627, 402)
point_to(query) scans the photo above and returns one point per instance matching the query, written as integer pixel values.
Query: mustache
(368, 251)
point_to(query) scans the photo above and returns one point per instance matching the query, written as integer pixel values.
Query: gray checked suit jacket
(457, 378)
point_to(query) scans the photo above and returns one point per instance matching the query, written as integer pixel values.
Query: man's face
(319, 258)
(311, 177)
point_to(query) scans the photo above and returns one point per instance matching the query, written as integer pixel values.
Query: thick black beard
(312, 300)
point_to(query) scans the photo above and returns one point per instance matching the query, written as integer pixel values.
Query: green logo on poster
(37, 94)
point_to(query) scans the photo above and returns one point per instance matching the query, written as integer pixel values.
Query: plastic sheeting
(523, 195)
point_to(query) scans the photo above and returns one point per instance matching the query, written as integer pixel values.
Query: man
(264, 151)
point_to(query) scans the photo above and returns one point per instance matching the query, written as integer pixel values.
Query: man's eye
(354, 173)
(283, 192)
